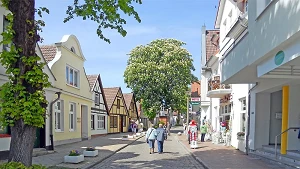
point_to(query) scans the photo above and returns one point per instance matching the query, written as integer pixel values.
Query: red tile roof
(110, 95)
(128, 98)
(92, 80)
(211, 49)
(49, 52)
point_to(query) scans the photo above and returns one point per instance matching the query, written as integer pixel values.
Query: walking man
(203, 130)
(160, 137)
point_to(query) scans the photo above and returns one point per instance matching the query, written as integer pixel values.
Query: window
(226, 109)
(73, 49)
(72, 114)
(261, 5)
(58, 115)
(93, 121)
(243, 122)
(246, 6)
(243, 104)
(97, 100)
(6, 47)
(229, 107)
(72, 76)
(113, 122)
(124, 121)
(118, 103)
(100, 122)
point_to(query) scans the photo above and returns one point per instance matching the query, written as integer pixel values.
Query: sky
(179, 19)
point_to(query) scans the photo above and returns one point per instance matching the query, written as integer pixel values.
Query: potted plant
(90, 152)
(240, 135)
(74, 157)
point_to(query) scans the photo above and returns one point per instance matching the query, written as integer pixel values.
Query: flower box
(90, 153)
(74, 159)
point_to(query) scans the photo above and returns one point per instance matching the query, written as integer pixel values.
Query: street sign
(195, 103)
(195, 99)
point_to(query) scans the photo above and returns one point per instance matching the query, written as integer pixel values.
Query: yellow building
(71, 115)
(118, 113)
(131, 106)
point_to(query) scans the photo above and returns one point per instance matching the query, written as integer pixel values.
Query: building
(99, 109)
(72, 115)
(267, 58)
(232, 98)
(118, 113)
(131, 107)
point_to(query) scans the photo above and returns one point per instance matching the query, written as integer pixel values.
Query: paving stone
(137, 155)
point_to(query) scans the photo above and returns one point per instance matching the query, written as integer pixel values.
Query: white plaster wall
(264, 29)
(294, 118)
(239, 91)
(252, 120)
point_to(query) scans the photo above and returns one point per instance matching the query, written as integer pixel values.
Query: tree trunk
(22, 142)
(178, 118)
(23, 136)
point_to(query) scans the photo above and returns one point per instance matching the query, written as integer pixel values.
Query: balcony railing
(214, 84)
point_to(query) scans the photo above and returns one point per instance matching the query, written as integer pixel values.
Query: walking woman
(150, 138)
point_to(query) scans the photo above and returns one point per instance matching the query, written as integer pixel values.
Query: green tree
(159, 72)
(23, 103)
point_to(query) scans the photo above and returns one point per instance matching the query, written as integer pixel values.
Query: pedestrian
(160, 137)
(134, 127)
(203, 131)
(150, 138)
(168, 128)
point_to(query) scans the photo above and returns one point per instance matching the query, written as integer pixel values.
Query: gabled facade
(99, 107)
(72, 115)
(131, 107)
(118, 113)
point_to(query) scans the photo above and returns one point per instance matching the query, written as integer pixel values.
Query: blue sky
(179, 19)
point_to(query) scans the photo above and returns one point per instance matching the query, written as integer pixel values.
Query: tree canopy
(23, 102)
(159, 73)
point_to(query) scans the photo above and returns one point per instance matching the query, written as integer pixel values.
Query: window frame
(243, 104)
(113, 123)
(56, 120)
(100, 121)
(118, 103)
(75, 78)
(97, 95)
(93, 121)
(74, 118)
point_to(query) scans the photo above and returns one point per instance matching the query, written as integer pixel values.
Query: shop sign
(279, 57)
(195, 99)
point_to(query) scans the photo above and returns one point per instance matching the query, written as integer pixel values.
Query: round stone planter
(90, 153)
(74, 159)
(125, 138)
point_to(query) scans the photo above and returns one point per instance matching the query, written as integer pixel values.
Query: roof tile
(128, 98)
(49, 52)
(110, 95)
(211, 49)
(92, 80)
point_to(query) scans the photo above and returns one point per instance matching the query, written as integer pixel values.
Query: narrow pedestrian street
(137, 155)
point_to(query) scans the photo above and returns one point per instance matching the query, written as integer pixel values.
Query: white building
(265, 51)
(99, 108)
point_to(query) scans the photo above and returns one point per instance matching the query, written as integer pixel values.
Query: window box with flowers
(74, 157)
(90, 152)
(240, 135)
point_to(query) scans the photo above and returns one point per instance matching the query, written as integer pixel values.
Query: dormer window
(73, 49)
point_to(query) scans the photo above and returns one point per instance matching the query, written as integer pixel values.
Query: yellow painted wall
(66, 133)
(115, 111)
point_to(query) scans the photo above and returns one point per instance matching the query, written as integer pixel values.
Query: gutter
(248, 118)
(51, 147)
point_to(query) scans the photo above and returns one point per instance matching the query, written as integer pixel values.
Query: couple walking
(156, 134)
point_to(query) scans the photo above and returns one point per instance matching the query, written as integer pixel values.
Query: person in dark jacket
(160, 137)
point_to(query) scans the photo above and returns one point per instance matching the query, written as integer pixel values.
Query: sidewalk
(107, 146)
(221, 157)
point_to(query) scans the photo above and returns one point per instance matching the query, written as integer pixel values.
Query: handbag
(147, 140)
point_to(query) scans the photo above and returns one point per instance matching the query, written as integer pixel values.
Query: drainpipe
(51, 120)
(248, 119)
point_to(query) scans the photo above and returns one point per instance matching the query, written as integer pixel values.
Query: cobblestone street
(137, 156)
